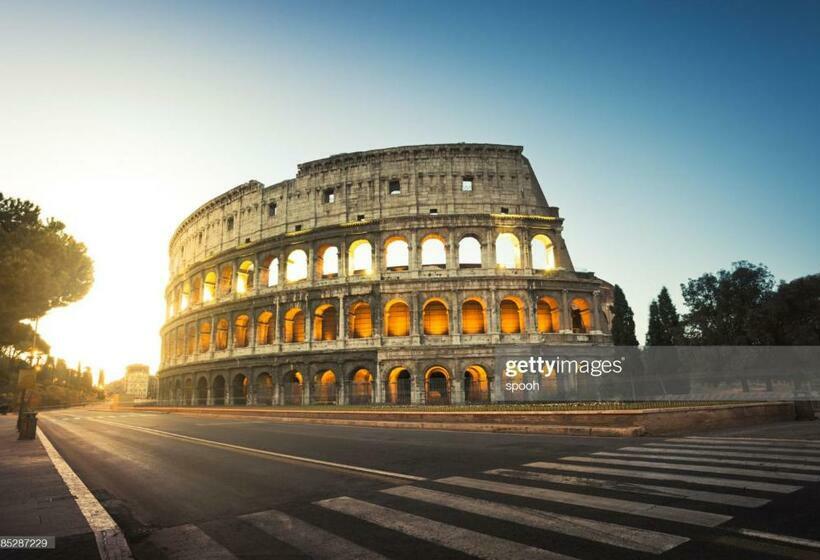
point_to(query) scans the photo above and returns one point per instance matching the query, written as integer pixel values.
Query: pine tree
(664, 321)
(623, 320)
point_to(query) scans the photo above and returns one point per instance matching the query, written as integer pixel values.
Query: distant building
(137, 380)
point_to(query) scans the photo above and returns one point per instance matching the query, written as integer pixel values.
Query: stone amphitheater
(396, 275)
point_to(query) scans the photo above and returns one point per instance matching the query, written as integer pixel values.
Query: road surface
(198, 486)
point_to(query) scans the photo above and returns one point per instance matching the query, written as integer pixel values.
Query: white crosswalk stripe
(658, 448)
(744, 446)
(456, 538)
(802, 443)
(654, 475)
(676, 457)
(188, 542)
(784, 450)
(679, 515)
(598, 531)
(312, 540)
(635, 488)
(754, 473)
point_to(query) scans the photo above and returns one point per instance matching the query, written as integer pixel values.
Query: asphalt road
(205, 487)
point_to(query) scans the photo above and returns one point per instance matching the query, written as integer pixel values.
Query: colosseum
(385, 276)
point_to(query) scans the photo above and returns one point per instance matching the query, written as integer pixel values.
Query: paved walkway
(34, 500)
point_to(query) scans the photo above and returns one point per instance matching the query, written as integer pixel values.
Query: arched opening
(239, 389)
(180, 341)
(219, 390)
(204, 336)
(244, 278)
(240, 331)
(325, 388)
(196, 290)
(209, 287)
(512, 315)
(581, 315)
(361, 323)
(202, 392)
(473, 317)
(397, 318)
(547, 315)
(476, 385)
(361, 387)
(542, 253)
(436, 318)
(469, 252)
(360, 258)
(327, 261)
(178, 392)
(264, 328)
(296, 267)
(507, 251)
(433, 252)
(190, 344)
(294, 325)
(185, 298)
(264, 389)
(396, 254)
(225, 280)
(292, 388)
(437, 385)
(188, 392)
(325, 322)
(222, 334)
(398, 386)
(269, 273)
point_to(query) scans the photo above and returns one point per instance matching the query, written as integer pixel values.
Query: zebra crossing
(549, 509)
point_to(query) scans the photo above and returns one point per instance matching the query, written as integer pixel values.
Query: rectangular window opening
(467, 184)
(329, 196)
(230, 223)
(394, 186)
(434, 211)
(505, 210)
(271, 209)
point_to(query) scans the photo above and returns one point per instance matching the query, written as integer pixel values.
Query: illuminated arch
(325, 322)
(204, 336)
(437, 385)
(264, 389)
(245, 277)
(222, 334)
(325, 388)
(361, 387)
(185, 297)
(292, 388)
(399, 386)
(507, 251)
(269, 273)
(327, 261)
(360, 258)
(581, 315)
(469, 252)
(511, 315)
(239, 389)
(190, 344)
(180, 341)
(396, 254)
(476, 384)
(225, 279)
(397, 318)
(542, 253)
(548, 315)
(361, 321)
(196, 290)
(297, 266)
(435, 317)
(473, 317)
(240, 331)
(294, 325)
(264, 328)
(209, 287)
(433, 251)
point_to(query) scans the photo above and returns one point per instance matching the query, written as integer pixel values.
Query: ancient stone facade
(391, 275)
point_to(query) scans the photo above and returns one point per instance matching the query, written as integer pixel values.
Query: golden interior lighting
(361, 324)
(294, 325)
(397, 318)
(325, 323)
(244, 277)
(547, 315)
(436, 318)
(512, 316)
(361, 257)
(472, 317)
(264, 332)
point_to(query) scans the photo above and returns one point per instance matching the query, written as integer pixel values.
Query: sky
(676, 137)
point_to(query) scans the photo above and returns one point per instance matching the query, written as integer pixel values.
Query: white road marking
(188, 542)
(679, 515)
(111, 542)
(643, 455)
(754, 473)
(635, 488)
(785, 450)
(653, 475)
(598, 531)
(313, 541)
(780, 538)
(755, 441)
(656, 448)
(265, 453)
(748, 444)
(449, 536)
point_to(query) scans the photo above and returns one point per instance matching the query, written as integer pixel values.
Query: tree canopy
(790, 315)
(623, 320)
(664, 322)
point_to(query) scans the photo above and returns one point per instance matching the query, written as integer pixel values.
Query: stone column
(341, 330)
(456, 390)
(596, 312)
(566, 316)
(416, 392)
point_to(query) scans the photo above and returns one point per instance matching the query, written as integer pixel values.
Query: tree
(721, 306)
(41, 266)
(664, 321)
(789, 316)
(623, 320)
(20, 339)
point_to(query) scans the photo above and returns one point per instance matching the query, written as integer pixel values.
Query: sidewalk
(34, 500)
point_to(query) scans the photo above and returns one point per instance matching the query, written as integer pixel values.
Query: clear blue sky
(676, 137)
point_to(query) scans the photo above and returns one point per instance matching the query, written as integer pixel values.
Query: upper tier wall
(430, 178)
